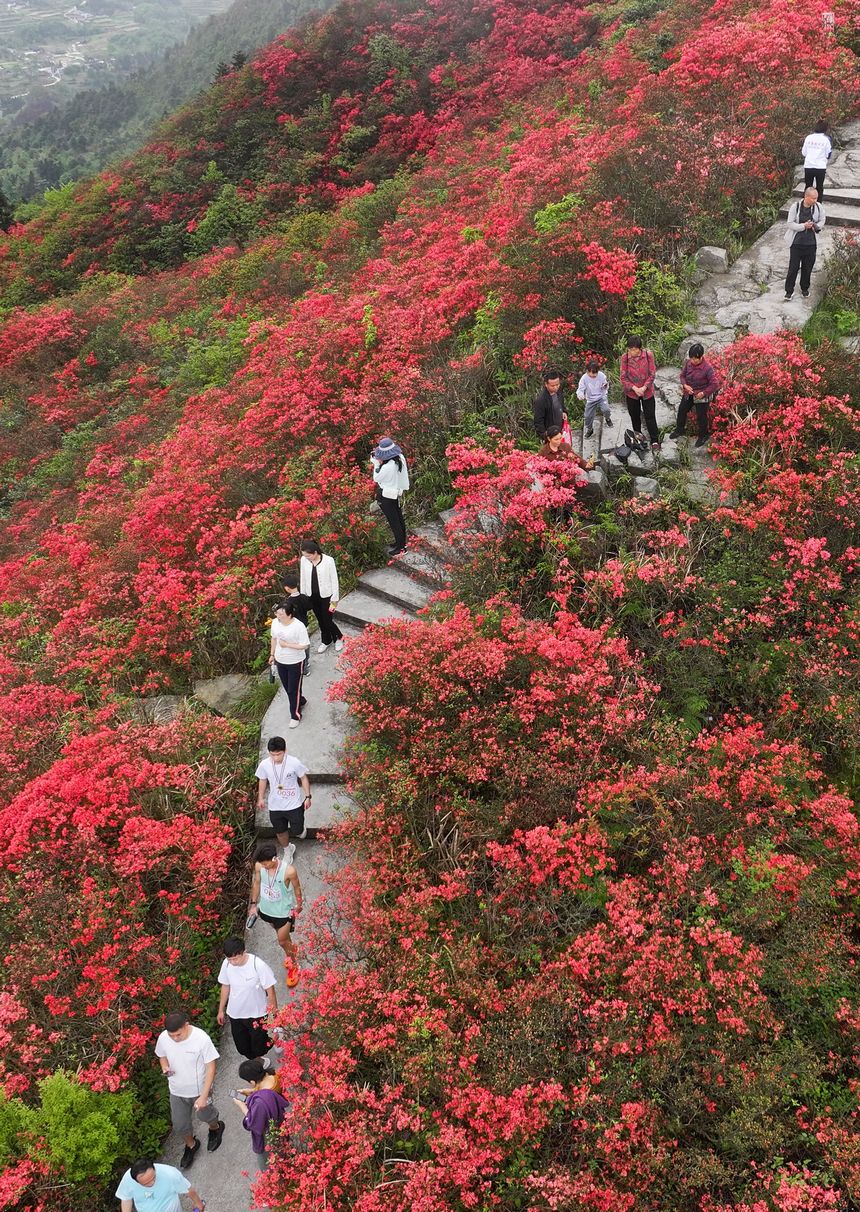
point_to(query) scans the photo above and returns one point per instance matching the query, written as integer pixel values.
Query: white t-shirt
(188, 1059)
(283, 778)
(294, 632)
(816, 151)
(248, 984)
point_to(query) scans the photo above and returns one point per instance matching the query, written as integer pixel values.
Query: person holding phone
(263, 1105)
(188, 1060)
(391, 476)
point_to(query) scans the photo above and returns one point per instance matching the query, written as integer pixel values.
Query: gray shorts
(182, 1112)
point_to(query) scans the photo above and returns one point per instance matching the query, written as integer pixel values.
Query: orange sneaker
(292, 973)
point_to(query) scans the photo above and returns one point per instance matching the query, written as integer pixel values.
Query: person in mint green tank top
(276, 896)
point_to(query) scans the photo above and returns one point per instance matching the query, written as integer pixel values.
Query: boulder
(597, 486)
(159, 709)
(645, 486)
(223, 695)
(712, 259)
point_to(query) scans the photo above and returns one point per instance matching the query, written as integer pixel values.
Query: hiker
(638, 369)
(805, 219)
(699, 386)
(816, 151)
(148, 1186)
(288, 648)
(301, 604)
(188, 1060)
(318, 580)
(391, 476)
(247, 996)
(276, 896)
(284, 789)
(594, 390)
(264, 1106)
(549, 409)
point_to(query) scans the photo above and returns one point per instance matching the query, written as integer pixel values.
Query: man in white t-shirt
(283, 787)
(188, 1060)
(288, 649)
(817, 150)
(247, 996)
(147, 1186)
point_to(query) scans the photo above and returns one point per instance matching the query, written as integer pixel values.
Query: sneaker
(589, 433)
(215, 1135)
(291, 970)
(295, 723)
(805, 294)
(189, 1155)
(702, 440)
(655, 446)
(607, 420)
(787, 299)
(322, 647)
(289, 853)
(338, 644)
(302, 835)
(675, 434)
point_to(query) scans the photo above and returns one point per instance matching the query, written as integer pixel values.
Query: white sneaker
(295, 723)
(289, 852)
(338, 645)
(322, 647)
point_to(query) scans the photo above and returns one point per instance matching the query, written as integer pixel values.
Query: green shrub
(657, 308)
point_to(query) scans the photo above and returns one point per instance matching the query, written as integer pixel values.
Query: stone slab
(423, 564)
(223, 695)
(396, 586)
(319, 738)
(646, 486)
(361, 609)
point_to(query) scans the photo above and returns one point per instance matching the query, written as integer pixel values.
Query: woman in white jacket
(318, 579)
(391, 476)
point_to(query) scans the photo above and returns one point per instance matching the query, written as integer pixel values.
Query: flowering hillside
(607, 946)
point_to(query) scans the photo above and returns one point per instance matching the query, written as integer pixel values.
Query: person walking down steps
(276, 897)
(817, 150)
(318, 581)
(805, 220)
(188, 1060)
(263, 1106)
(284, 790)
(391, 476)
(289, 646)
(247, 996)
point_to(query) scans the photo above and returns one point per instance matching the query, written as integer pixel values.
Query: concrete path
(748, 298)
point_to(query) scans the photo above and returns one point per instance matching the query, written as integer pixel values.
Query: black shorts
(277, 922)
(291, 822)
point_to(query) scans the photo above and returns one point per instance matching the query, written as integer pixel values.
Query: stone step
(396, 586)
(845, 197)
(329, 805)
(423, 564)
(362, 608)
(838, 214)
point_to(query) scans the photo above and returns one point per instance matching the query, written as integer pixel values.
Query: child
(594, 390)
(301, 605)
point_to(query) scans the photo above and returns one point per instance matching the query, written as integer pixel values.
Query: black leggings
(815, 176)
(291, 680)
(636, 405)
(394, 517)
(249, 1037)
(329, 630)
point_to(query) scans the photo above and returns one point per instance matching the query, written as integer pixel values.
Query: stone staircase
(397, 591)
(748, 297)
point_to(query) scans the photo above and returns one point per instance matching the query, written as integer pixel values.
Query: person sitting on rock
(699, 386)
(556, 449)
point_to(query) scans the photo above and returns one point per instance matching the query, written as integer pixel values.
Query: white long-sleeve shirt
(391, 480)
(816, 151)
(326, 577)
(596, 388)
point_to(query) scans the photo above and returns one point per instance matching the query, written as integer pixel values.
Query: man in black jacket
(549, 409)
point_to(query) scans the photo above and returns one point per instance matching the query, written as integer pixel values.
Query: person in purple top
(699, 385)
(263, 1106)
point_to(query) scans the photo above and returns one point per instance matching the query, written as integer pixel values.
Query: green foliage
(229, 219)
(555, 213)
(657, 308)
(65, 467)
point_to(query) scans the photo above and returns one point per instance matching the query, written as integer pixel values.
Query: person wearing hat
(391, 476)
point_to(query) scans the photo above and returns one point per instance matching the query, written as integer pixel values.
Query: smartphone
(243, 1098)
(251, 922)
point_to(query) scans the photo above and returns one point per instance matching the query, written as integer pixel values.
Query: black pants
(329, 630)
(636, 405)
(803, 259)
(686, 404)
(250, 1039)
(815, 176)
(291, 680)
(394, 517)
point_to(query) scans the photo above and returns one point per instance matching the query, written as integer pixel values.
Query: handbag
(636, 441)
(622, 453)
(566, 435)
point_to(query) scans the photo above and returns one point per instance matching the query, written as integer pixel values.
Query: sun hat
(387, 449)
